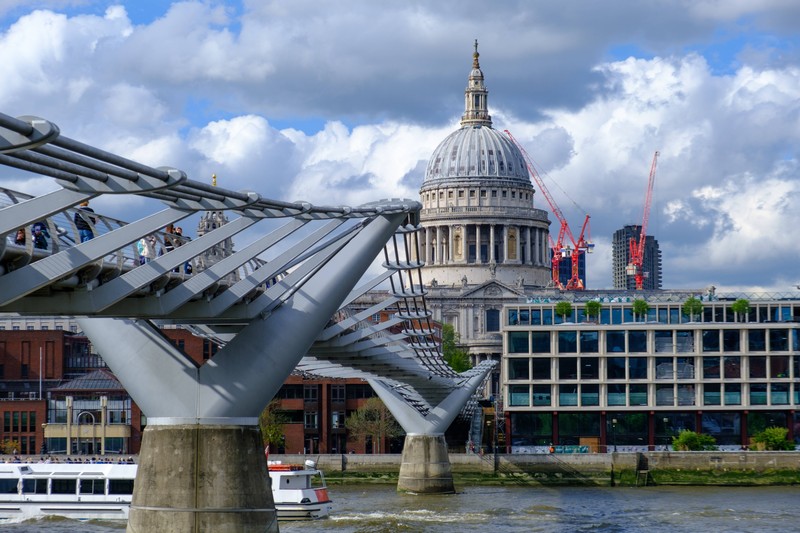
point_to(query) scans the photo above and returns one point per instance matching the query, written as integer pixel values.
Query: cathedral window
(483, 194)
(505, 193)
(492, 320)
(494, 194)
(513, 194)
(461, 194)
(472, 194)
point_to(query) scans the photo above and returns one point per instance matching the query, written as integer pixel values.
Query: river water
(380, 509)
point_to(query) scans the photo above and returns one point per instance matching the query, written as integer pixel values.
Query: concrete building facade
(626, 382)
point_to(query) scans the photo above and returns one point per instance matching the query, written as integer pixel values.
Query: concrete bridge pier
(425, 466)
(196, 477)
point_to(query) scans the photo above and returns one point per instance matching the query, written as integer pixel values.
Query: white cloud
(202, 90)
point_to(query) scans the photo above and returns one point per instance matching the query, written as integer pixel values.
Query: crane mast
(635, 266)
(559, 248)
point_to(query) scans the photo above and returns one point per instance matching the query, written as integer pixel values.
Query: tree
(741, 307)
(592, 309)
(457, 358)
(773, 438)
(689, 441)
(271, 421)
(9, 447)
(640, 308)
(691, 307)
(373, 419)
(564, 309)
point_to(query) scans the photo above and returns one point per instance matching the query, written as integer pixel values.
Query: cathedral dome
(479, 152)
(476, 150)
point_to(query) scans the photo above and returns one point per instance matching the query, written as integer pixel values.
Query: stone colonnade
(443, 244)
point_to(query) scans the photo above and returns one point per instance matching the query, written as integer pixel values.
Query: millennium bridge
(281, 303)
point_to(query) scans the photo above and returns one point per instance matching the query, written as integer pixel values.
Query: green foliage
(741, 307)
(592, 308)
(373, 419)
(564, 309)
(457, 358)
(692, 307)
(8, 446)
(773, 438)
(640, 308)
(689, 441)
(271, 420)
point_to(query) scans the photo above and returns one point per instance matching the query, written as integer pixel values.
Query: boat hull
(288, 512)
(75, 510)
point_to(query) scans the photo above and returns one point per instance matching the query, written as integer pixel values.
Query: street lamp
(614, 433)
(667, 432)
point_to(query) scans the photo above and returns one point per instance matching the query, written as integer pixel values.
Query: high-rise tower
(621, 258)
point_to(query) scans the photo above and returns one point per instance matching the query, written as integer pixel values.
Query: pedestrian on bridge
(84, 222)
(147, 249)
(40, 235)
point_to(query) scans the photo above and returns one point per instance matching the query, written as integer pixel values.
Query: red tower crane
(635, 266)
(559, 249)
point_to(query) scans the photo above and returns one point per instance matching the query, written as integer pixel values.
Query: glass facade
(709, 373)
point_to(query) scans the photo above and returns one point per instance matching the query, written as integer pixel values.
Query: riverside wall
(621, 468)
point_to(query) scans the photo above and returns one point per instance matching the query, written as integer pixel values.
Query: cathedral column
(426, 249)
(478, 258)
(503, 244)
(538, 238)
(450, 249)
(492, 259)
(528, 247)
(439, 247)
(519, 244)
(540, 246)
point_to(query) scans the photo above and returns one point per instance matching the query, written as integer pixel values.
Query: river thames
(379, 508)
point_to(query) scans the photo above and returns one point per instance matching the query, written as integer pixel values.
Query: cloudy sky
(343, 103)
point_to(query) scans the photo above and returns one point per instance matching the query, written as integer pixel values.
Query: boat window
(34, 486)
(64, 486)
(8, 486)
(93, 486)
(120, 486)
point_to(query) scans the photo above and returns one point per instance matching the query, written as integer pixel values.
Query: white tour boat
(103, 491)
(299, 491)
(81, 491)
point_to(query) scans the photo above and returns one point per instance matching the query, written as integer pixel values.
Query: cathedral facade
(482, 241)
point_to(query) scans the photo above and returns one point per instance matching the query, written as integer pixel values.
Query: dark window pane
(711, 367)
(637, 341)
(567, 341)
(568, 368)
(730, 340)
(518, 342)
(637, 367)
(541, 368)
(518, 369)
(540, 342)
(757, 340)
(589, 342)
(590, 368)
(616, 368)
